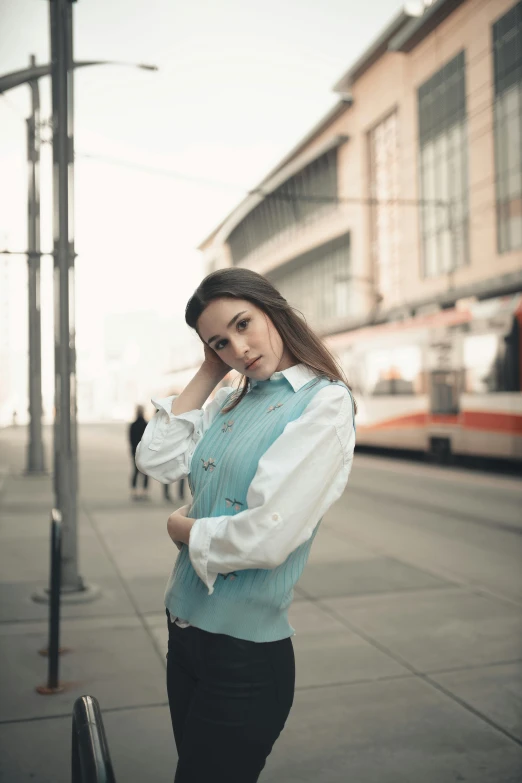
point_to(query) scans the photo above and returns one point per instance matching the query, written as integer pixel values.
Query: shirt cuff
(165, 404)
(199, 548)
(193, 418)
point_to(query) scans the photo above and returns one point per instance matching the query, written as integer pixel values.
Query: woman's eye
(241, 325)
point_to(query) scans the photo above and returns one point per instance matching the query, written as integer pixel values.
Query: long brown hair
(298, 338)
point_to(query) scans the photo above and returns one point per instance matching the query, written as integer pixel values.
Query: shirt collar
(296, 376)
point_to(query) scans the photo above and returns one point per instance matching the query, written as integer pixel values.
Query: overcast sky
(162, 157)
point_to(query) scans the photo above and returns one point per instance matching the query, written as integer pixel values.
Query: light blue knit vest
(254, 605)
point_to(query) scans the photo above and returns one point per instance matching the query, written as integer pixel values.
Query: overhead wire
(172, 174)
(488, 181)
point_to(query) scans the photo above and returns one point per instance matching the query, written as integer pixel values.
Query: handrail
(91, 761)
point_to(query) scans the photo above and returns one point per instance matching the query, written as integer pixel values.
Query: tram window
(393, 372)
(351, 365)
(383, 387)
(402, 386)
(479, 356)
(492, 362)
(393, 386)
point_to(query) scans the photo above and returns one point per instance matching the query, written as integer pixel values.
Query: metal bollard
(91, 761)
(53, 686)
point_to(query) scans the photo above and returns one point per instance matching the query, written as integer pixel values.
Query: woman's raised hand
(193, 396)
(214, 364)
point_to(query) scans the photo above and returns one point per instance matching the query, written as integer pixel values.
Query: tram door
(444, 396)
(444, 376)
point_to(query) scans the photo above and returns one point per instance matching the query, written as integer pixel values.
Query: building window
(444, 169)
(301, 199)
(318, 283)
(384, 207)
(507, 63)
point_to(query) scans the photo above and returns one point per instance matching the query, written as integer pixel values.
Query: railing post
(53, 686)
(90, 760)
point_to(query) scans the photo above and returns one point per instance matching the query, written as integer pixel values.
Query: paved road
(408, 620)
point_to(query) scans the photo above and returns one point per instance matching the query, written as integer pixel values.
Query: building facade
(402, 209)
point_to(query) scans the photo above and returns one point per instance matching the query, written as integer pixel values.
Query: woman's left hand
(179, 526)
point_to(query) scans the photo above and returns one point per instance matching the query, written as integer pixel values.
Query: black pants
(229, 700)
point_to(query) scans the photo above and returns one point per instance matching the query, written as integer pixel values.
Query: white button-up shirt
(290, 492)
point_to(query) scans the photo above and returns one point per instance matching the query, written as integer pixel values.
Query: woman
(264, 464)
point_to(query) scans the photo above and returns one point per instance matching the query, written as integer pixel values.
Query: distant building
(405, 202)
(408, 192)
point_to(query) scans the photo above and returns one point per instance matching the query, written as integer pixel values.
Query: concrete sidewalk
(402, 673)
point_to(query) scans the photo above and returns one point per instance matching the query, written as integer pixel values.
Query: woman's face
(244, 337)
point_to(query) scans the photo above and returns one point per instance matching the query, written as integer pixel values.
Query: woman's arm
(166, 448)
(298, 478)
(199, 389)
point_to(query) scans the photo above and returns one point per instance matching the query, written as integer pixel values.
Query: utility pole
(65, 429)
(35, 462)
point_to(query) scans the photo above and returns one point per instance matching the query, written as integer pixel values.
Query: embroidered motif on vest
(235, 503)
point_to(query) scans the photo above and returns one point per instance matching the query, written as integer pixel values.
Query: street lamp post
(65, 429)
(35, 461)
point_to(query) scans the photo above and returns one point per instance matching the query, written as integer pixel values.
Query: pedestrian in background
(136, 430)
(264, 463)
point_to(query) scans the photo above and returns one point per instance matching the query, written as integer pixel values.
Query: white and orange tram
(445, 383)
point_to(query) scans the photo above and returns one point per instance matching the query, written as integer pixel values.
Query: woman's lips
(253, 364)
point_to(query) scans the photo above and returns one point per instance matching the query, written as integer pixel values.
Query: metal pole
(35, 462)
(65, 439)
(54, 606)
(53, 685)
